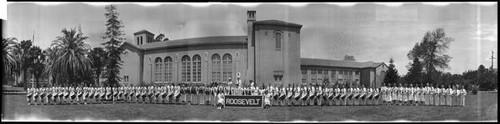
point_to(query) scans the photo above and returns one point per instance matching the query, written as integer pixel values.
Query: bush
(475, 89)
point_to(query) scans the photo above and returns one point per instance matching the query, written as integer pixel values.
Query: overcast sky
(369, 32)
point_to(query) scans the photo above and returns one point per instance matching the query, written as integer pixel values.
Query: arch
(216, 67)
(168, 69)
(196, 68)
(227, 65)
(158, 67)
(186, 68)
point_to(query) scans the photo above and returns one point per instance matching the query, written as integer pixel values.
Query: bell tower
(250, 72)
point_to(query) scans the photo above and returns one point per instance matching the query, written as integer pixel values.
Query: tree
(26, 60)
(8, 57)
(114, 36)
(51, 57)
(98, 58)
(38, 64)
(392, 75)
(414, 74)
(431, 51)
(71, 63)
(160, 37)
(349, 58)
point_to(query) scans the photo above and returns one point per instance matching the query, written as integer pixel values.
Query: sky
(368, 31)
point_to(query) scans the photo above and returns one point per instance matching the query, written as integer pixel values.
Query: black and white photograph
(249, 62)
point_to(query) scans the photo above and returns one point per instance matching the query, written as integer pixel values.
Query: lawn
(481, 107)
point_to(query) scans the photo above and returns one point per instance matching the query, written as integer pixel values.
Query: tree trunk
(25, 83)
(37, 82)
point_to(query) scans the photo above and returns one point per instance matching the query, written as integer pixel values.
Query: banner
(242, 101)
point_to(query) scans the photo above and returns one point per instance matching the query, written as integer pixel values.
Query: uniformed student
(392, 92)
(331, 96)
(376, 96)
(267, 100)
(436, 95)
(430, 95)
(449, 95)
(220, 99)
(463, 93)
(363, 96)
(417, 95)
(344, 95)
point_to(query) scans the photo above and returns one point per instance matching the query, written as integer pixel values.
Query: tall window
(158, 68)
(137, 40)
(141, 40)
(216, 67)
(196, 68)
(227, 64)
(333, 76)
(325, 75)
(320, 76)
(313, 76)
(278, 41)
(186, 67)
(168, 69)
(304, 75)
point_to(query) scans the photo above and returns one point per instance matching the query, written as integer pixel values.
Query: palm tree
(8, 56)
(25, 60)
(38, 64)
(50, 56)
(71, 62)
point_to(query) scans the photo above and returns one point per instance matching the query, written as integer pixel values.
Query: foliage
(349, 58)
(392, 75)
(98, 58)
(70, 64)
(415, 74)
(26, 60)
(431, 51)
(38, 63)
(9, 58)
(114, 35)
(484, 79)
(161, 37)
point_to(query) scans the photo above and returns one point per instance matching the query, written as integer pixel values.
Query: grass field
(481, 107)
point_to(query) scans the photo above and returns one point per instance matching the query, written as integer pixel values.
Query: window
(304, 75)
(196, 68)
(357, 72)
(325, 75)
(137, 40)
(332, 74)
(227, 67)
(320, 76)
(186, 67)
(125, 78)
(168, 69)
(216, 67)
(141, 40)
(313, 76)
(158, 64)
(278, 41)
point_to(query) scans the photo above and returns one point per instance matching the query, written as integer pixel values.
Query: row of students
(423, 95)
(339, 95)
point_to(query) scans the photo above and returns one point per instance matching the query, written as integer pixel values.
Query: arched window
(158, 64)
(186, 67)
(168, 69)
(216, 67)
(227, 62)
(278, 41)
(196, 68)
